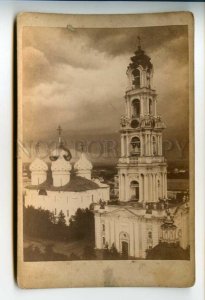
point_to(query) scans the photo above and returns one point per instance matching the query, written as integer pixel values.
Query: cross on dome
(61, 150)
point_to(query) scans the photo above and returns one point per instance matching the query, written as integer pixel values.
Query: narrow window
(135, 143)
(136, 81)
(150, 106)
(136, 108)
(154, 145)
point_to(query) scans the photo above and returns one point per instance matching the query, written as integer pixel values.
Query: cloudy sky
(78, 79)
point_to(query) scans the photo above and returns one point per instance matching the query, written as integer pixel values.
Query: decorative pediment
(122, 213)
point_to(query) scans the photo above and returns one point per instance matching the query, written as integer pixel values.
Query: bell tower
(142, 169)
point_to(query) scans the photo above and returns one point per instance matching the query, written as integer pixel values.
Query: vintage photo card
(105, 150)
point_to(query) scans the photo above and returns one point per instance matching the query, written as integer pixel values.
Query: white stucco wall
(68, 202)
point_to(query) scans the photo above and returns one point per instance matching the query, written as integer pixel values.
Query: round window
(134, 124)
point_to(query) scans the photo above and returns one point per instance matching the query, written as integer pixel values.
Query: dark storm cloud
(78, 79)
(121, 41)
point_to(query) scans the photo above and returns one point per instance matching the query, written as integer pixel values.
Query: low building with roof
(64, 187)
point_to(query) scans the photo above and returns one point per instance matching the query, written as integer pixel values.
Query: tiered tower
(142, 169)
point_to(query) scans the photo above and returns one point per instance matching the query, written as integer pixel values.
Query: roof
(76, 184)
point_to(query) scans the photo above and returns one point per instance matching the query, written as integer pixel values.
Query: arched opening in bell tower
(135, 146)
(150, 106)
(136, 108)
(136, 81)
(154, 145)
(134, 190)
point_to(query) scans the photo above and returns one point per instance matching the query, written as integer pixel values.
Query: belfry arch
(136, 108)
(134, 190)
(135, 146)
(136, 81)
(150, 106)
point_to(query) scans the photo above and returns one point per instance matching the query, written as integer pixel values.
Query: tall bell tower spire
(142, 168)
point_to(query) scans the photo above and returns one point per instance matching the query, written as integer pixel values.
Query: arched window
(134, 186)
(136, 81)
(150, 106)
(154, 143)
(124, 244)
(136, 108)
(135, 146)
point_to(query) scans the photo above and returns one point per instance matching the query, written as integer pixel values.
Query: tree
(82, 225)
(111, 254)
(39, 223)
(33, 253)
(61, 219)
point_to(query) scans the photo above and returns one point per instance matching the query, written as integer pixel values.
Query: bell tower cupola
(140, 69)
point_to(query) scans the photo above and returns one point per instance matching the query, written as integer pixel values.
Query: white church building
(135, 223)
(64, 187)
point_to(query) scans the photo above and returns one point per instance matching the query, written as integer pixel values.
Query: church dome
(38, 165)
(83, 163)
(61, 150)
(140, 59)
(61, 164)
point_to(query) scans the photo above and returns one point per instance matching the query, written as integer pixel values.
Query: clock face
(134, 124)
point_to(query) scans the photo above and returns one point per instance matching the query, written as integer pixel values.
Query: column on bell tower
(122, 146)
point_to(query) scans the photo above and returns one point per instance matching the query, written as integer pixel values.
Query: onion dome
(83, 163)
(38, 165)
(61, 151)
(61, 163)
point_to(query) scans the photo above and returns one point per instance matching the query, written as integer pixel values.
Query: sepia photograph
(105, 143)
